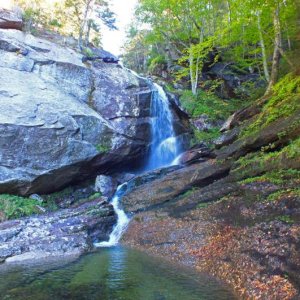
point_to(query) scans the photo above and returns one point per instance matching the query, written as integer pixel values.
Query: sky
(113, 41)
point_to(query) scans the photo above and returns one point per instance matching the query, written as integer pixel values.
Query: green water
(111, 273)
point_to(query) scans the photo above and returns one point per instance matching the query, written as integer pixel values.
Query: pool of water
(109, 273)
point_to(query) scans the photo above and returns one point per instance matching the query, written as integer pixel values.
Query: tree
(254, 34)
(86, 13)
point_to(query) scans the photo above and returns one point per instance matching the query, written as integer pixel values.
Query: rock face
(10, 20)
(62, 120)
(67, 232)
(160, 190)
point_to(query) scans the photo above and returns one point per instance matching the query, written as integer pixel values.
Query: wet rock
(160, 190)
(64, 232)
(106, 185)
(10, 20)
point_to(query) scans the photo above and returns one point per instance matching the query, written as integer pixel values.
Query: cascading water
(165, 147)
(122, 221)
(163, 153)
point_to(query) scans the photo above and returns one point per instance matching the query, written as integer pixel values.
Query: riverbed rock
(10, 20)
(66, 232)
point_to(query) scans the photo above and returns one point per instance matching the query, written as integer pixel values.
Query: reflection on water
(110, 273)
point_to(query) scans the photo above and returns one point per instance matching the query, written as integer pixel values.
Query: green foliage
(79, 18)
(88, 52)
(209, 104)
(13, 207)
(186, 31)
(155, 63)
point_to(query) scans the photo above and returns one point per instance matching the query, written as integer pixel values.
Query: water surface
(109, 274)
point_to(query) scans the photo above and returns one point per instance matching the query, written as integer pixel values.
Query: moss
(286, 219)
(13, 207)
(284, 193)
(102, 148)
(203, 205)
(88, 52)
(70, 194)
(189, 193)
(259, 163)
(95, 196)
(276, 177)
(284, 102)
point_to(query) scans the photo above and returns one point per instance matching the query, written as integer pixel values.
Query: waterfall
(164, 147)
(163, 153)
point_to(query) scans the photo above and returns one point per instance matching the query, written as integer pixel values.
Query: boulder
(10, 20)
(106, 185)
(66, 232)
(203, 123)
(66, 120)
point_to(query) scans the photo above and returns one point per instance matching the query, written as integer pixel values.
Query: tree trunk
(276, 53)
(84, 22)
(87, 35)
(263, 49)
(192, 78)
